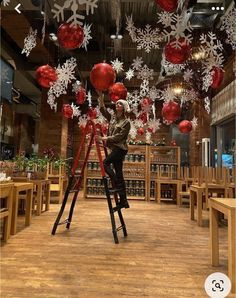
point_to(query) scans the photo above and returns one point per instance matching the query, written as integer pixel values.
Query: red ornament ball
(67, 111)
(70, 36)
(117, 91)
(143, 117)
(150, 129)
(146, 102)
(185, 126)
(177, 55)
(46, 75)
(102, 76)
(140, 131)
(171, 111)
(217, 77)
(168, 5)
(80, 96)
(92, 113)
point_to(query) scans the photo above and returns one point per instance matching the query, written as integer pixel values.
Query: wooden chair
(6, 193)
(185, 182)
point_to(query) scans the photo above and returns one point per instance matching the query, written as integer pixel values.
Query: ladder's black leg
(122, 223)
(71, 210)
(113, 223)
(63, 205)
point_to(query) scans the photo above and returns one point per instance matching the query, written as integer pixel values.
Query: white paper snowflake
(194, 122)
(148, 137)
(138, 123)
(188, 74)
(65, 74)
(207, 104)
(154, 125)
(170, 68)
(229, 25)
(76, 86)
(165, 18)
(177, 29)
(146, 38)
(6, 2)
(87, 35)
(145, 73)
(133, 100)
(207, 81)
(133, 130)
(117, 65)
(29, 42)
(144, 88)
(153, 93)
(76, 18)
(76, 110)
(83, 120)
(167, 95)
(137, 63)
(129, 74)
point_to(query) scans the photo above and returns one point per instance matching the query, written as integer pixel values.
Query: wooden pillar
(53, 128)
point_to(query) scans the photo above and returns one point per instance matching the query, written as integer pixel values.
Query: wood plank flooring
(164, 255)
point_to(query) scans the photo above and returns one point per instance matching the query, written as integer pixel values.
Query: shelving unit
(164, 162)
(141, 167)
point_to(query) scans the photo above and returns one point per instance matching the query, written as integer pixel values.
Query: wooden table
(28, 188)
(6, 192)
(198, 191)
(227, 207)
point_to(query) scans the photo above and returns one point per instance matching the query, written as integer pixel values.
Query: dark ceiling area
(109, 18)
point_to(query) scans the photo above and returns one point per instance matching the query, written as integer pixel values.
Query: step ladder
(76, 177)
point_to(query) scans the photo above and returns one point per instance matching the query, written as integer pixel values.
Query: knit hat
(125, 105)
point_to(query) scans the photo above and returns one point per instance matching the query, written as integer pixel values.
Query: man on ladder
(116, 141)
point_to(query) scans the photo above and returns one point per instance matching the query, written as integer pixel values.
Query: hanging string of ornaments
(175, 30)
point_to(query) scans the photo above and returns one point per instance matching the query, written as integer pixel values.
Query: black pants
(116, 158)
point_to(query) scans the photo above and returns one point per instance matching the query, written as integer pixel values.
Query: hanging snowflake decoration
(154, 125)
(187, 96)
(188, 75)
(194, 122)
(176, 29)
(76, 18)
(133, 130)
(145, 73)
(167, 95)
(207, 81)
(169, 68)
(76, 86)
(138, 123)
(229, 25)
(147, 38)
(76, 110)
(133, 100)
(65, 74)
(117, 65)
(148, 137)
(207, 104)
(137, 63)
(87, 35)
(153, 93)
(129, 74)
(29, 41)
(83, 120)
(6, 2)
(165, 18)
(144, 88)
(89, 98)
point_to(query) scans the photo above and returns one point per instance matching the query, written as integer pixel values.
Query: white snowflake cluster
(76, 110)
(148, 137)
(207, 104)
(154, 125)
(29, 41)
(229, 25)
(133, 130)
(147, 38)
(145, 73)
(188, 75)
(65, 74)
(83, 120)
(89, 98)
(117, 65)
(207, 81)
(76, 18)
(134, 100)
(187, 96)
(153, 93)
(137, 63)
(129, 74)
(170, 68)
(177, 26)
(144, 88)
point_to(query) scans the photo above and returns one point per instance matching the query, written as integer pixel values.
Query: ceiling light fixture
(217, 8)
(116, 36)
(222, 8)
(213, 8)
(53, 36)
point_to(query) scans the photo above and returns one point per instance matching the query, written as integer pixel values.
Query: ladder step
(115, 190)
(120, 228)
(73, 191)
(63, 222)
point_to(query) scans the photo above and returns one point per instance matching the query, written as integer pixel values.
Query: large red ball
(117, 91)
(46, 75)
(168, 5)
(171, 111)
(185, 126)
(67, 111)
(80, 96)
(102, 76)
(177, 55)
(217, 77)
(70, 36)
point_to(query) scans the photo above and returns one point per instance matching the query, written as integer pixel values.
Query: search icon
(217, 285)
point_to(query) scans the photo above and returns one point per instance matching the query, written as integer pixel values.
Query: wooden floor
(164, 255)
